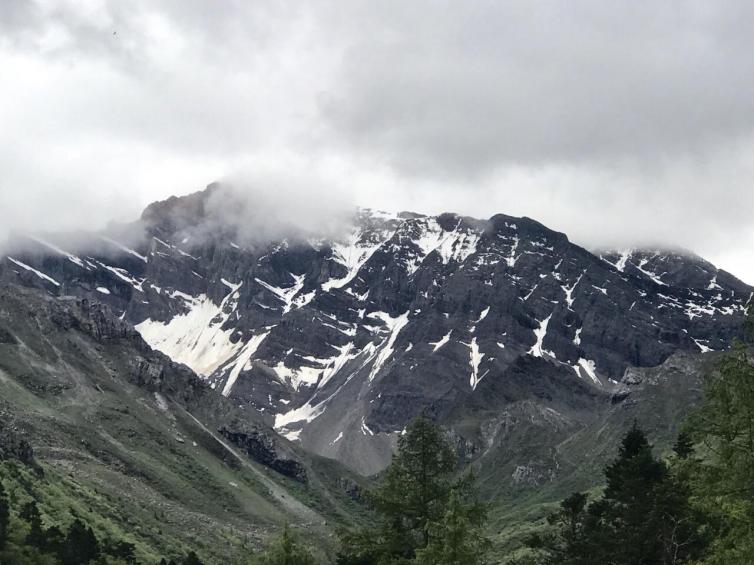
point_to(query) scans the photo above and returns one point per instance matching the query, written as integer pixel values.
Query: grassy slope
(136, 464)
(583, 446)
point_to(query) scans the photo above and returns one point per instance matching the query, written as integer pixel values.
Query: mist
(257, 209)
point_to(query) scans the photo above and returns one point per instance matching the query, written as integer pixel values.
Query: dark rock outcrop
(261, 448)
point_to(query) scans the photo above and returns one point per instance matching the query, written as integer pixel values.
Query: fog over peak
(618, 124)
(257, 209)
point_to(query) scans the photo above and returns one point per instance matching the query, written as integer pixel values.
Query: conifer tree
(644, 516)
(36, 536)
(54, 540)
(417, 484)
(80, 546)
(456, 539)
(684, 445)
(723, 428)
(122, 550)
(4, 517)
(192, 559)
(627, 508)
(412, 501)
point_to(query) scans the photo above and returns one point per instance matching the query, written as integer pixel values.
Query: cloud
(466, 91)
(616, 124)
(257, 207)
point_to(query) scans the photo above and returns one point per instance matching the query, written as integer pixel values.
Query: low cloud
(257, 208)
(618, 124)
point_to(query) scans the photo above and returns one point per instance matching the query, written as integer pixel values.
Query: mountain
(338, 343)
(142, 448)
(248, 354)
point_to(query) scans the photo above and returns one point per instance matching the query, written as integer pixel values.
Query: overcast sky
(617, 123)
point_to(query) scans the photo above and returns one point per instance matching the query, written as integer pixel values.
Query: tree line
(694, 507)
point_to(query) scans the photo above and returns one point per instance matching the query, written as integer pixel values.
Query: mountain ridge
(338, 343)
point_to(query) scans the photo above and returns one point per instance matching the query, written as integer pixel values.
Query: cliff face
(338, 343)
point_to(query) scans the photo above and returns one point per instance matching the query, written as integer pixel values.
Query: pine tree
(569, 542)
(417, 484)
(80, 546)
(192, 559)
(456, 539)
(54, 540)
(412, 500)
(628, 505)
(4, 517)
(723, 473)
(122, 550)
(575, 526)
(684, 445)
(644, 516)
(285, 551)
(36, 536)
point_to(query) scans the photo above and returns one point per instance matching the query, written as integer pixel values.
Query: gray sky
(617, 123)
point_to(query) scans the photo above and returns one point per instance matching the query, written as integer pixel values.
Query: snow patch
(196, 338)
(72, 258)
(589, 367)
(124, 248)
(292, 435)
(288, 295)
(475, 358)
(455, 245)
(40, 274)
(650, 274)
(569, 291)
(703, 348)
(296, 377)
(713, 284)
(365, 429)
(511, 259)
(536, 349)
(483, 315)
(124, 275)
(243, 358)
(438, 344)
(395, 325)
(352, 254)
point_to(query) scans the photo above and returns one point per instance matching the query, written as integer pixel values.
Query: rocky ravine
(338, 343)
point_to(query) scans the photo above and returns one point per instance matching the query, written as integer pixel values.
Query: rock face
(339, 343)
(261, 448)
